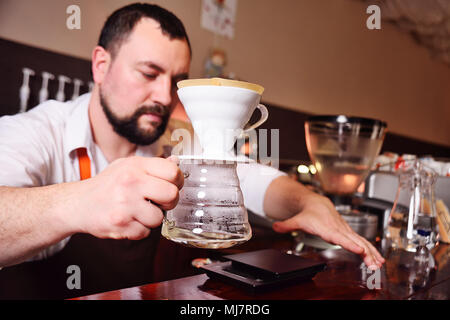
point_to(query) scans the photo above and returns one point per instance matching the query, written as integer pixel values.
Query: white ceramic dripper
(218, 114)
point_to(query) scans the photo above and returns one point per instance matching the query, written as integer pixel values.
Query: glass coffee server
(412, 221)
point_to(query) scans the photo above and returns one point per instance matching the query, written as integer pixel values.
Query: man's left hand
(320, 218)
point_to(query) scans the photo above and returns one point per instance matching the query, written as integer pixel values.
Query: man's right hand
(122, 202)
(126, 199)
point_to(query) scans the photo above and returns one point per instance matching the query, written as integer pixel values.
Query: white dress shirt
(38, 148)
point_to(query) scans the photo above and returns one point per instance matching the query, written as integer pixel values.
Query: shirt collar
(78, 130)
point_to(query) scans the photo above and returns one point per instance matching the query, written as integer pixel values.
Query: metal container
(364, 224)
(383, 186)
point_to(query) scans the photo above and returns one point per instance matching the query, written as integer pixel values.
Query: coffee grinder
(343, 150)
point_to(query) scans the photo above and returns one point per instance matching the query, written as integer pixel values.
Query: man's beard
(128, 127)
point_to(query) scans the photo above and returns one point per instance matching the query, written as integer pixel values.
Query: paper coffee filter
(221, 82)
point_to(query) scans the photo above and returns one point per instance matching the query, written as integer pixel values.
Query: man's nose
(162, 91)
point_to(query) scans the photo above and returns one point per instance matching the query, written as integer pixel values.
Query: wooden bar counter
(344, 278)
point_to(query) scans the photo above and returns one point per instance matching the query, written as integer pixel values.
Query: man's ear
(101, 60)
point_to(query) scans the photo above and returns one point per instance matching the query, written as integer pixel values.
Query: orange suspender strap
(85, 163)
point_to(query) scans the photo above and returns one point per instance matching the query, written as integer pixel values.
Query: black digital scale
(263, 269)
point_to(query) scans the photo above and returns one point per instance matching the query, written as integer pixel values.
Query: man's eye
(149, 75)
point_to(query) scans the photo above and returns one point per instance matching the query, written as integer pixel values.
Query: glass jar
(210, 212)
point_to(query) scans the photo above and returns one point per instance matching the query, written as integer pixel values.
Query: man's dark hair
(121, 22)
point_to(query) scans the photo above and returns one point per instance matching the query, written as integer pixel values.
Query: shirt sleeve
(254, 179)
(23, 155)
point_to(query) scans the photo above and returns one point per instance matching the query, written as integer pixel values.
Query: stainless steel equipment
(383, 186)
